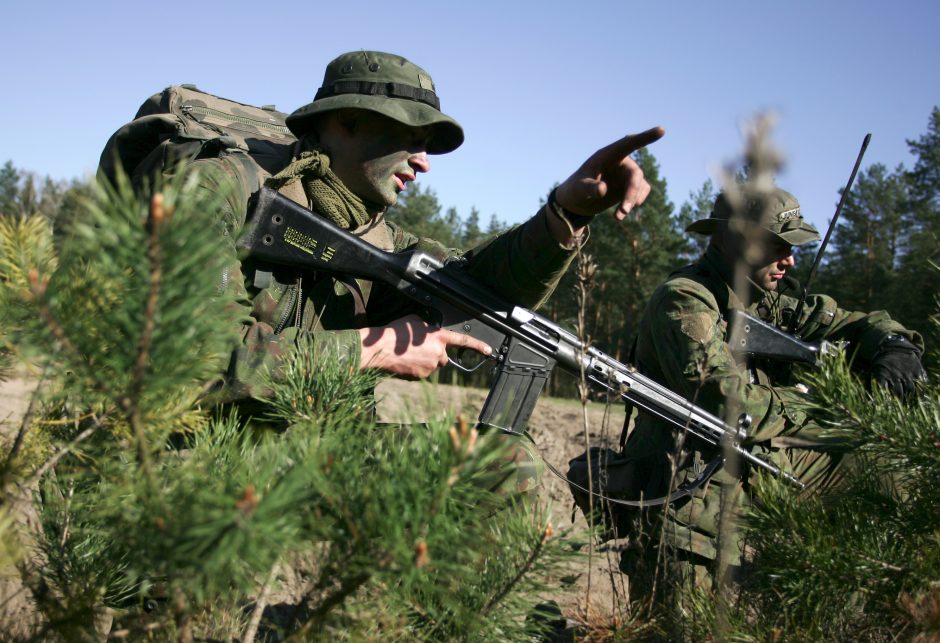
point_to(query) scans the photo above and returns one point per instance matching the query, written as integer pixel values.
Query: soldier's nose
(420, 162)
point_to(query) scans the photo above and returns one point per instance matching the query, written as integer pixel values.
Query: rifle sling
(682, 491)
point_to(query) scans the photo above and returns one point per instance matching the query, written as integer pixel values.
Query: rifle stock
(281, 235)
(526, 346)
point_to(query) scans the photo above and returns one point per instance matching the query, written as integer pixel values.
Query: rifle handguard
(754, 337)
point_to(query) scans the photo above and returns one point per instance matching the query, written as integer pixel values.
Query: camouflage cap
(777, 212)
(386, 84)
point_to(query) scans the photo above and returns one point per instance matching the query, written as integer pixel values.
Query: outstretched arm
(608, 177)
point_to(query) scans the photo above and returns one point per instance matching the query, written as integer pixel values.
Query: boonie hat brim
(446, 133)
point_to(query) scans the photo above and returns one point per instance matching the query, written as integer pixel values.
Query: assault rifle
(754, 337)
(525, 346)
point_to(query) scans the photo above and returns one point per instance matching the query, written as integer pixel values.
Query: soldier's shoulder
(225, 172)
(685, 282)
(683, 291)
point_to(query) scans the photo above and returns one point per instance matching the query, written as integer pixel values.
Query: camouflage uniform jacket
(276, 306)
(682, 344)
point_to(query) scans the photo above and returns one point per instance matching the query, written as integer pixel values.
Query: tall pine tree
(866, 247)
(419, 212)
(699, 206)
(9, 189)
(923, 229)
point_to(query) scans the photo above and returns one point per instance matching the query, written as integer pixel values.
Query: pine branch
(52, 461)
(260, 604)
(348, 587)
(38, 288)
(521, 572)
(155, 219)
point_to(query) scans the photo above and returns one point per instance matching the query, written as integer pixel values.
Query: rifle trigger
(456, 364)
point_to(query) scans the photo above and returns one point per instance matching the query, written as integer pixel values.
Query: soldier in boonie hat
(386, 84)
(363, 139)
(777, 212)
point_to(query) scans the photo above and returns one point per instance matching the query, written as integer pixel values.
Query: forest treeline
(879, 257)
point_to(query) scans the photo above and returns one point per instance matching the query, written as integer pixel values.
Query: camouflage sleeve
(823, 319)
(263, 353)
(261, 350)
(523, 264)
(688, 340)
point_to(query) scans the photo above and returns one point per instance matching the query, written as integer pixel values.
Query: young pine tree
(162, 516)
(862, 564)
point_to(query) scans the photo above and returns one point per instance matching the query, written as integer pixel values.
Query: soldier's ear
(332, 130)
(315, 126)
(348, 119)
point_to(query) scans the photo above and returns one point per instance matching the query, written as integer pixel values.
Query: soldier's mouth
(402, 180)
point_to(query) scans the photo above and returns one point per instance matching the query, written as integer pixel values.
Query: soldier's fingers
(632, 142)
(637, 189)
(460, 340)
(907, 384)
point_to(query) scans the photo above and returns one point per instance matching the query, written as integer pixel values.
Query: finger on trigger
(466, 341)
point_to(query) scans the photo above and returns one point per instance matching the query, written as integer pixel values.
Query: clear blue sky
(537, 86)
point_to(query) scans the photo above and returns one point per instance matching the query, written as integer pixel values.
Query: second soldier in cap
(683, 343)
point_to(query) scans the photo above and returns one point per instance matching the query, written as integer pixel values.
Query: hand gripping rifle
(525, 345)
(756, 338)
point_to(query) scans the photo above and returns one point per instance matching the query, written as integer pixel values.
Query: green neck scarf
(325, 191)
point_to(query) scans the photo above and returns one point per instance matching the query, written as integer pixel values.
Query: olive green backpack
(182, 123)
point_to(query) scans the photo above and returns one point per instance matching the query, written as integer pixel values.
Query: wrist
(572, 219)
(897, 342)
(371, 354)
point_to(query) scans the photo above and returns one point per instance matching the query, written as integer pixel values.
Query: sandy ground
(558, 428)
(16, 612)
(14, 399)
(592, 587)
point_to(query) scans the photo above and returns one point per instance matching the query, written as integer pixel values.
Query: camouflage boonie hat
(777, 213)
(386, 84)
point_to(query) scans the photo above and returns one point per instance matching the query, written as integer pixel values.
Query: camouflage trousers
(685, 545)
